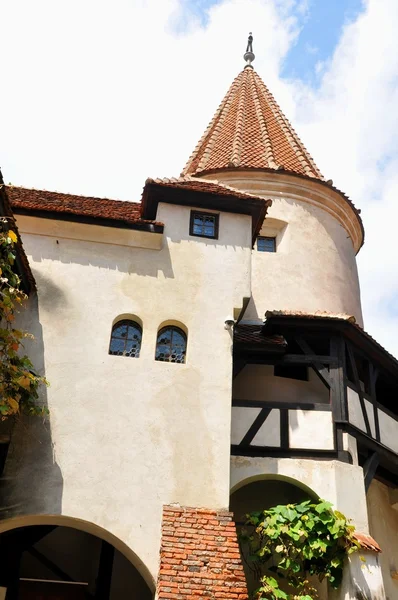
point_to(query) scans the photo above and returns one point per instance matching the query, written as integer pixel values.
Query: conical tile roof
(249, 130)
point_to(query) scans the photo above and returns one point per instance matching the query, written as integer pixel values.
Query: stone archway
(59, 558)
(260, 493)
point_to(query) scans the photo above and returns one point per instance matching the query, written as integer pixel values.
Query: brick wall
(199, 556)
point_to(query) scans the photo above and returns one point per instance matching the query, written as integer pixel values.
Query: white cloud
(98, 95)
(351, 126)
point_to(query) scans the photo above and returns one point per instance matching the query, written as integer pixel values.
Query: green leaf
(320, 508)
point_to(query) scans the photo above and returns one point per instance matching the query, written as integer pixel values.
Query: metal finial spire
(248, 55)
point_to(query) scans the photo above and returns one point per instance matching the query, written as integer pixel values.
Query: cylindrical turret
(316, 233)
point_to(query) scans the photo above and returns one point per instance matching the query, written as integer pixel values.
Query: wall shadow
(31, 482)
(126, 259)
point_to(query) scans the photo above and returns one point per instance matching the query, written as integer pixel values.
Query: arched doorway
(60, 562)
(260, 493)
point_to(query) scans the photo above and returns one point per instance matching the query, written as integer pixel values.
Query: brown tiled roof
(311, 315)
(252, 334)
(249, 130)
(69, 204)
(367, 542)
(208, 186)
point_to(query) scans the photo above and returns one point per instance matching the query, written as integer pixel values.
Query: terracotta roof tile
(367, 542)
(252, 334)
(249, 130)
(101, 208)
(311, 315)
(207, 186)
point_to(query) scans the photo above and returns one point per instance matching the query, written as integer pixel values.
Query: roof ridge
(295, 141)
(238, 137)
(263, 126)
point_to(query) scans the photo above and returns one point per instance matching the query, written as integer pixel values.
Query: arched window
(126, 339)
(171, 345)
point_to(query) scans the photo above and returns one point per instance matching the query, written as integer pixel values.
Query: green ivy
(19, 383)
(295, 541)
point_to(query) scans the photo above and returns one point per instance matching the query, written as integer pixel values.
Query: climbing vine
(19, 383)
(293, 542)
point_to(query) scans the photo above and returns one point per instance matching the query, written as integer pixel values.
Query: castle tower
(206, 358)
(312, 231)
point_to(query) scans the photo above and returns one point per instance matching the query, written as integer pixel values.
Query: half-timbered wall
(280, 412)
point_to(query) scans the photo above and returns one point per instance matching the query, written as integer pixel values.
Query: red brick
(200, 556)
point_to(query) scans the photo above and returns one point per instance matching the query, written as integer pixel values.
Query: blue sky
(320, 22)
(132, 94)
(320, 33)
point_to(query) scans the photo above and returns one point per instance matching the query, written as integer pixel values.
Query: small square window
(266, 244)
(204, 224)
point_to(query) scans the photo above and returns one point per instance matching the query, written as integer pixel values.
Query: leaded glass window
(266, 244)
(126, 339)
(171, 345)
(204, 224)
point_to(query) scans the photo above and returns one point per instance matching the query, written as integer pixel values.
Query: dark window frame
(268, 238)
(170, 359)
(130, 324)
(296, 372)
(201, 213)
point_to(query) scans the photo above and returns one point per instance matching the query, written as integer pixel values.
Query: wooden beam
(317, 365)
(278, 404)
(284, 428)
(105, 568)
(255, 426)
(388, 458)
(359, 389)
(238, 365)
(266, 358)
(373, 375)
(337, 382)
(49, 564)
(370, 468)
(305, 359)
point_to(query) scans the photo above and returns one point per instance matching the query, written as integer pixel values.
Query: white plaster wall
(311, 429)
(314, 268)
(383, 523)
(362, 579)
(127, 435)
(334, 481)
(269, 433)
(242, 419)
(355, 414)
(388, 430)
(257, 382)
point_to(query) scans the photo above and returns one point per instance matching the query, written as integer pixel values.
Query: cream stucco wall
(383, 522)
(257, 382)
(317, 235)
(338, 482)
(127, 435)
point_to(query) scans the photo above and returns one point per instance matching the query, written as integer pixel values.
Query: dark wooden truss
(348, 362)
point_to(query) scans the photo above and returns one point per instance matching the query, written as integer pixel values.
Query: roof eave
(154, 193)
(351, 330)
(357, 212)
